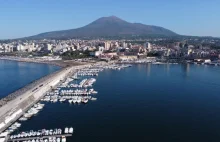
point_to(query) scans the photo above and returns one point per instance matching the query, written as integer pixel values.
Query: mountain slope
(108, 26)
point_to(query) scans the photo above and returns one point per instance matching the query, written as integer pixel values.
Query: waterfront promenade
(26, 97)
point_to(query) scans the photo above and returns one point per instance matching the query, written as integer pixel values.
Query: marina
(81, 92)
(137, 94)
(76, 92)
(76, 88)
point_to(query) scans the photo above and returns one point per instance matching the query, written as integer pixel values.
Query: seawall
(15, 108)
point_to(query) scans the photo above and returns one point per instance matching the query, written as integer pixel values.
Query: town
(190, 49)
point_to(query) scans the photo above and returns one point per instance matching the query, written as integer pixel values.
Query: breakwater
(19, 92)
(18, 102)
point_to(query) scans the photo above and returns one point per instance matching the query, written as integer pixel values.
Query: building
(124, 45)
(77, 46)
(49, 47)
(107, 45)
(147, 46)
(190, 51)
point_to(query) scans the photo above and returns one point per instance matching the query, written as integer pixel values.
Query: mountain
(108, 26)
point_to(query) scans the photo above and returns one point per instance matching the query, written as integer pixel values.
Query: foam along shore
(26, 97)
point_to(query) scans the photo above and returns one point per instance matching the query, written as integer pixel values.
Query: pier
(15, 108)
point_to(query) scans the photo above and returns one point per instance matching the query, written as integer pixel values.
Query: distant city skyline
(185, 17)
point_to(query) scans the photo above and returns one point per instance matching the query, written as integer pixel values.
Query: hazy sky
(20, 18)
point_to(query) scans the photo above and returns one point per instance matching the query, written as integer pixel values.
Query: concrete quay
(15, 108)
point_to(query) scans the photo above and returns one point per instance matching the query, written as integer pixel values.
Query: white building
(20, 47)
(190, 51)
(107, 45)
(147, 45)
(124, 45)
(49, 47)
(77, 46)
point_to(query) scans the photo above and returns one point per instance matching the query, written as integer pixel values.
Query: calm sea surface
(144, 103)
(15, 75)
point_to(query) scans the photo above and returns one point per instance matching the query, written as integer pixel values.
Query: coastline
(60, 63)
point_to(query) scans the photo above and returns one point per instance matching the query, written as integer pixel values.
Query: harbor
(130, 100)
(24, 100)
(73, 85)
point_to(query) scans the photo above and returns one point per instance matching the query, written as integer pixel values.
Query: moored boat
(71, 130)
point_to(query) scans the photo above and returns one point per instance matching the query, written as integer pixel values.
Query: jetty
(15, 108)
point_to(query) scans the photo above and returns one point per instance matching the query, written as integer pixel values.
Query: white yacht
(93, 99)
(23, 119)
(74, 100)
(66, 130)
(58, 139)
(78, 100)
(63, 139)
(70, 101)
(71, 130)
(17, 124)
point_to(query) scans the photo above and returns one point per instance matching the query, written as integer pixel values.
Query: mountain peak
(109, 26)
(109, 19)
(113, 17)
